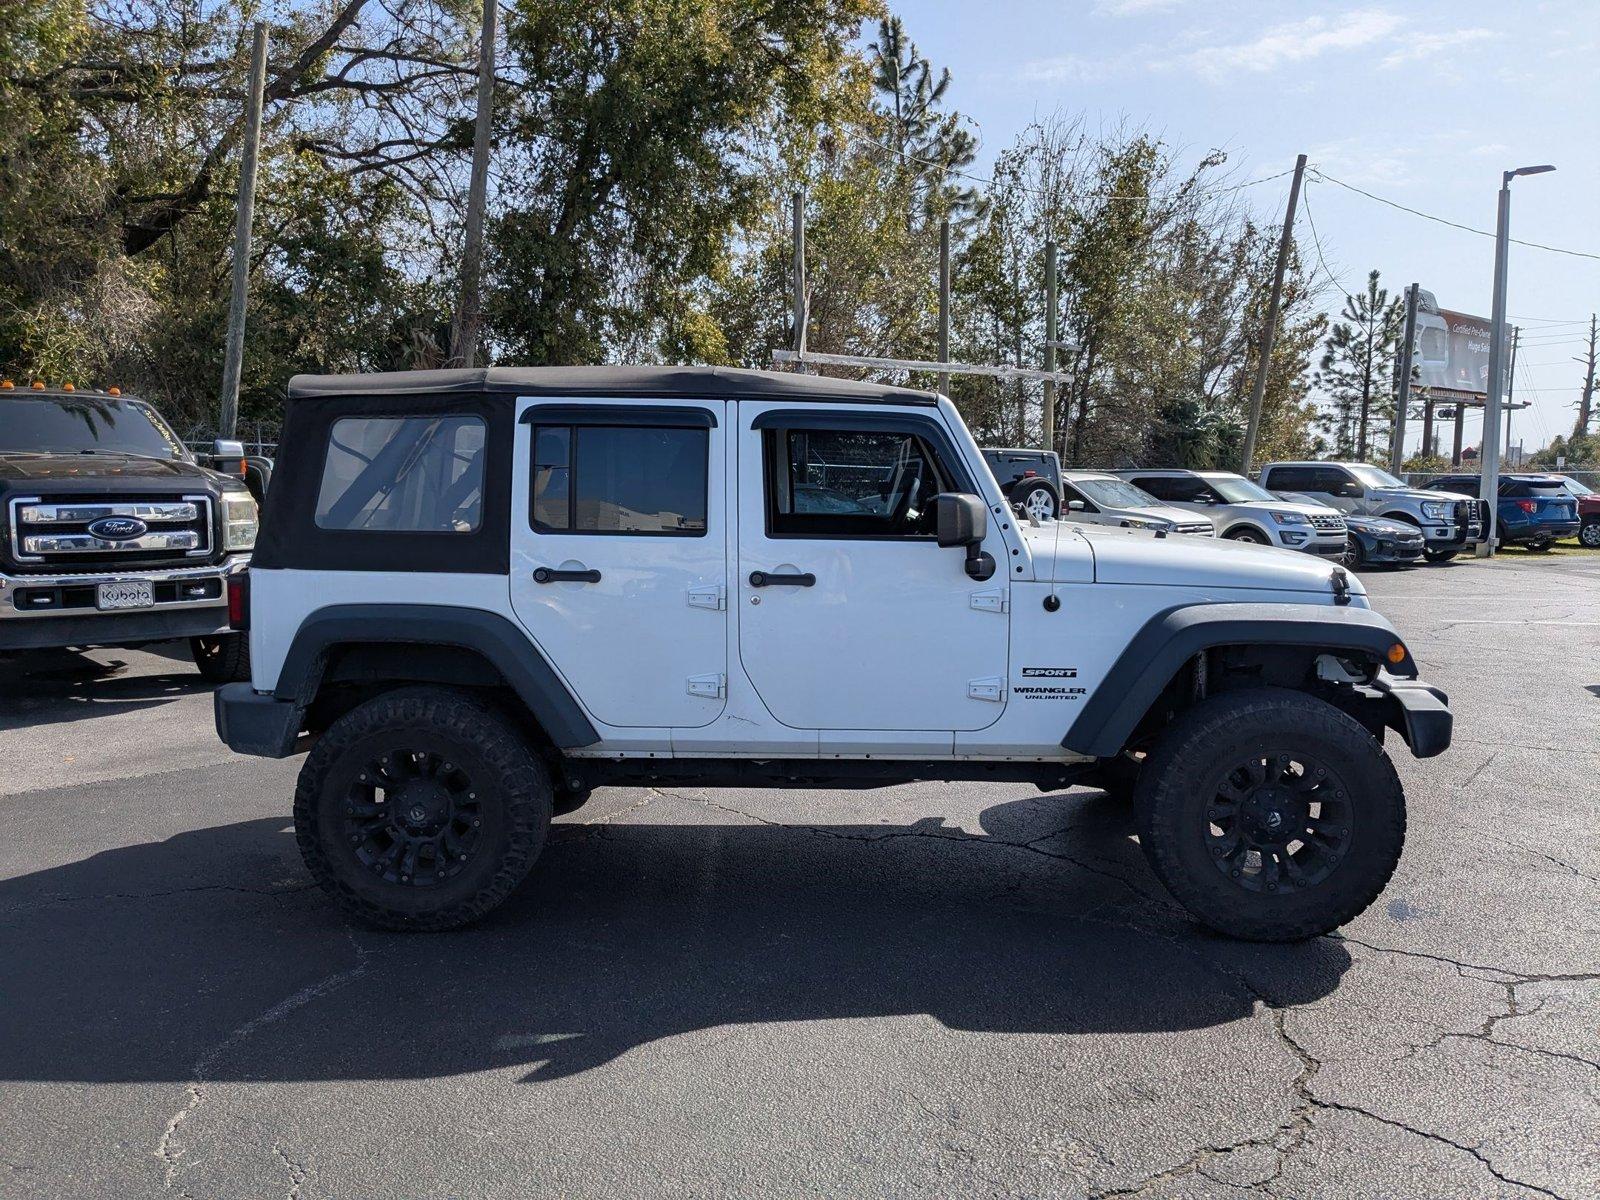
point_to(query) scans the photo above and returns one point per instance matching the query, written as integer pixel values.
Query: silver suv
(1245, 512)
(1100, 498)
(1448, 521)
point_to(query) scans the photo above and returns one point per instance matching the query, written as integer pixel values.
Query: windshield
(1236, 489)
(75, 425)
(1115, 493)
(1373, 477)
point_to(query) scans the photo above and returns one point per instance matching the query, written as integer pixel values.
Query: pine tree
(928, 142)
(1358, 367)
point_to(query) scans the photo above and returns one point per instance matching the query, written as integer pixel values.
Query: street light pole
(1489, 485)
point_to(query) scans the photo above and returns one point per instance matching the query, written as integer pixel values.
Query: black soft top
(709, 383)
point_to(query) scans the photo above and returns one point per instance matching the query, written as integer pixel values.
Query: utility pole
(1269, 331)
(1397, 443)
(1050, 339)
(1427, 424)
(1455, 455)
(799, 276)
(944, 301)
(469, 309)
(1511, 387)
(1586, 398)
(233, 356)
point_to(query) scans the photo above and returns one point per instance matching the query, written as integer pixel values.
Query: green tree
(1358, 368)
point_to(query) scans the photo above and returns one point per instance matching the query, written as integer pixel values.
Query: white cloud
(1133, 8)
(1424, 47)
(1297, 42)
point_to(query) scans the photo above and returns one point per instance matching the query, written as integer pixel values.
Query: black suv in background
(1030, 479)
(111, 534)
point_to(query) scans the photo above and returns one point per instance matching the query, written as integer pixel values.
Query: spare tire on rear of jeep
(422, 808)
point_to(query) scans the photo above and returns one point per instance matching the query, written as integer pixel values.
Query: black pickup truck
(112, 534)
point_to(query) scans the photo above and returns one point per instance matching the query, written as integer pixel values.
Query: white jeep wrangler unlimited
(479, 594)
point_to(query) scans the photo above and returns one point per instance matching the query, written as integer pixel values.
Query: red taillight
(1028, 473)
(1527, 506)
(239, 601)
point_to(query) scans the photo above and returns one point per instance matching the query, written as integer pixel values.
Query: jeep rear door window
(628, 479)
(850, 483)
(403, 474)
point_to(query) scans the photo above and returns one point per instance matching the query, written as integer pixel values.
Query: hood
(1380, 525)
(1161, 512)
(1416, 494)
(96, 471)
(1132, 556)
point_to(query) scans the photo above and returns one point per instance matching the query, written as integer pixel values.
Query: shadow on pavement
(46, 687)
(209, 956)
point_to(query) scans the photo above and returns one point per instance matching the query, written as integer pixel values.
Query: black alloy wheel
(1278, 821)
(412, 817)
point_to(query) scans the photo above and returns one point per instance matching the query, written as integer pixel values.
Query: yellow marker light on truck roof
(6, 385)
(67, 387)
(115, 391)
(1397, 654)
(38, 385)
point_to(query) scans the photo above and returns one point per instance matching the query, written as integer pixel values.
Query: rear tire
(421, 809)
(1271, 815)
(1039, 502)
(222, 658)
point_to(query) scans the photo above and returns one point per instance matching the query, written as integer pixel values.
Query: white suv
(479, 594)
(1244, 512)
(1100, 498)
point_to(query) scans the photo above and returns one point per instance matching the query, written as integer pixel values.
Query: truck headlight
(240, 520)
(1289, 518)
(1436, 510)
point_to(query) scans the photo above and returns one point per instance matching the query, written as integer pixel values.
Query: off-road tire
(223, 657)
(510, 790)
(1180, 781)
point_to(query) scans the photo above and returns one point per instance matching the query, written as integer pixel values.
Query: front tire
(222, 658)
(1439, 556)
(1249, 536)
(1356, 556)
(421, 809)
(1271, 815)
(1589, 535)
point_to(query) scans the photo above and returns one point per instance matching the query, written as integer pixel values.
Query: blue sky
(1423, 103)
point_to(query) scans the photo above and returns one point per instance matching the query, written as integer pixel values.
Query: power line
(1417, 212)
(1316, 241)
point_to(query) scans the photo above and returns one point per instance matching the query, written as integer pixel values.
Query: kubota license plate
(131, 593)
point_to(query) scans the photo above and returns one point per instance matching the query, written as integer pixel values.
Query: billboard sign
(1452, 351)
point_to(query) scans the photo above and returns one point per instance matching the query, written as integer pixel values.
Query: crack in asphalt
(167, 1149)
(299, 1173)
(46, 901)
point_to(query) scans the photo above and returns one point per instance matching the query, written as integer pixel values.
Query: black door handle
(551, 575)
(766, 579)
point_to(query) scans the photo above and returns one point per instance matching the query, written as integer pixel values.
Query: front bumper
(1417, 711)
(1388, 550)
(42, 611)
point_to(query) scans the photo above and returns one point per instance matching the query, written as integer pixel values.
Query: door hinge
(712, 595)
(994, 600)
(993, 689)
(707, 685)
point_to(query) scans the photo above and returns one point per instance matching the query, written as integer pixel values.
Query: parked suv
(112, 534)
(1533, 510)
(481, 593)
(1244, 512)
(1100, 498)
(1448, 521)
(1029, 479)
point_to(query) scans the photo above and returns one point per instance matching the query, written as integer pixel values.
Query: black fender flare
(495, 637)
(1175, 635)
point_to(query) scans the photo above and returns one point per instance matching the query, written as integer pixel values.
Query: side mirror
(227, 456)
(1075, 506)
(961, 519)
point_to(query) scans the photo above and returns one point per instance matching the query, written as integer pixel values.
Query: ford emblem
(117, 529)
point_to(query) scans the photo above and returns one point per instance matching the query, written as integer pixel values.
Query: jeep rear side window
(620, 479)
(403, 474)
(846, 483)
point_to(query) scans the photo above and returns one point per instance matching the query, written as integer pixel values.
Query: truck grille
(85, 533)
(1329, 523)
(1198, 528)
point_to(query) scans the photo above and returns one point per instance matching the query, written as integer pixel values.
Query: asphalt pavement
(929, 990)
